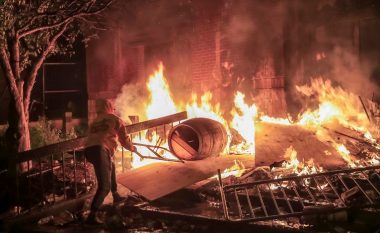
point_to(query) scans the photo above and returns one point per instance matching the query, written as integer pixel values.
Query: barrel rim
(189, 124)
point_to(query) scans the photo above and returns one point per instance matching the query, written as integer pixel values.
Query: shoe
(117, 198)
(93, 219)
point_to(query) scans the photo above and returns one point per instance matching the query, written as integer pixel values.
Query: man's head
(103, 106)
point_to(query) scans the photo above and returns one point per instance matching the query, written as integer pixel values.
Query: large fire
(244, 122)
(160, 101)
(333, 105)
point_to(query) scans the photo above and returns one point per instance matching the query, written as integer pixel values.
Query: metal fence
(301, 195)
(51, 174)
(60, 172)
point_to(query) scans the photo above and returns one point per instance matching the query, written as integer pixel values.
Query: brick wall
(269, 89)
(205, 47)
(211, 48)
(111, 63)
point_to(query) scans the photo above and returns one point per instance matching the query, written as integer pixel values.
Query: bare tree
(30, 31)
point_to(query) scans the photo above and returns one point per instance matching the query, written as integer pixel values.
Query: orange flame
(345, 153)
(244, 122)
(299, 168)
(236, 170)
(161, 103)
(160, 100)
(334, 105)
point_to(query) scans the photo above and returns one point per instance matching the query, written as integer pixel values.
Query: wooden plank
(182, 148)
(133, 128)
(272, 140)
(159, 179)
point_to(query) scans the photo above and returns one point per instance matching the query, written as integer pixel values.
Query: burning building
(237, 62)
(281, 108)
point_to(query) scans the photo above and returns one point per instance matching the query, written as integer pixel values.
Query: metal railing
(51, 174)
(301, 195)
(60, 172)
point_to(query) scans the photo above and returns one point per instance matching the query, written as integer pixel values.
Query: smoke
(254, 32)
(336, 54)
(350, 73)
(142, 33)
(323, 40)
(300, 40)
(241, 26)
(130, 101)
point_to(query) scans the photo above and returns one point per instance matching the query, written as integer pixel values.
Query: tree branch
(32, 21)
(92, 24)
(97, 11)
(46, 27)
(37, 65)
(9, 74)
(15, 57)
(80, 12)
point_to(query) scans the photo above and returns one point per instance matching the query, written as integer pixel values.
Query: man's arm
(124, 139)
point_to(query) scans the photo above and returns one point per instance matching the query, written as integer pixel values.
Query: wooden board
(159, 179)
(181, 148)
(272, 140)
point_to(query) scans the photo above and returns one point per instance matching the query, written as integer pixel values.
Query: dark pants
(105, 173)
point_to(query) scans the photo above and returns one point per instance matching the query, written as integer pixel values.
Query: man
(104, 133)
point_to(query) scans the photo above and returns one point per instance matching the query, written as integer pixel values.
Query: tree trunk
(17, 134)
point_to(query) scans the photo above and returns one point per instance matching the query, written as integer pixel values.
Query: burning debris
(300, 166)
(324, 136)
(224, 161)
(281, 171)
(299, 195)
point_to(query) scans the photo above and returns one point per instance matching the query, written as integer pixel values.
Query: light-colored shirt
(106, 130)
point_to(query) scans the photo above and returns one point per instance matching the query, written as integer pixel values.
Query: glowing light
(160, 100)
(297, 167)
(280, 121)
(244, 122)
(236, 170)
(345, 154)
(334, 105)
(205, 108)
(161, 103)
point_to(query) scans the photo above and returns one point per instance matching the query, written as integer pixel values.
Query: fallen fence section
(318, 193)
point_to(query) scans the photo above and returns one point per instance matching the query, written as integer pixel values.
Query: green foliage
(44, 133)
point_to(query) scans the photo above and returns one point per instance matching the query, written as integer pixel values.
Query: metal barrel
(197, 138)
